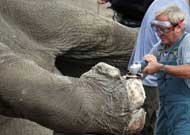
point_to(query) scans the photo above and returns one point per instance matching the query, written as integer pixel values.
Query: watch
(163, 68)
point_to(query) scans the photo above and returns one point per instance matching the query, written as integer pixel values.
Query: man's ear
(180, 24)
(179, 27)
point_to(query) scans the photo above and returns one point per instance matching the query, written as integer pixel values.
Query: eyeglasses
(162, 27)
(162, 30)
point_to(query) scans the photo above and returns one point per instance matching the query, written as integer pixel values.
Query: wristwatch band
(163, 68)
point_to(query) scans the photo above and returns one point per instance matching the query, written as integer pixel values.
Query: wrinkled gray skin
(33, 33)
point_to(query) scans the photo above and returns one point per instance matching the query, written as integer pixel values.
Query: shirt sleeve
(184, 54)
(185, 50)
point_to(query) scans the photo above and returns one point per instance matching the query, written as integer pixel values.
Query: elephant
(40, 89)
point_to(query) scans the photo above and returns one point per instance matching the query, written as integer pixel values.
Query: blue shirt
(147, 38)
(171, 87)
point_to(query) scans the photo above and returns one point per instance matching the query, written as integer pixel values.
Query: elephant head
(35, 36)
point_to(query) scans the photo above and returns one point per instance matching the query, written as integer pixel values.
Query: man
(146, 39)
(170, 59)
(128, 12)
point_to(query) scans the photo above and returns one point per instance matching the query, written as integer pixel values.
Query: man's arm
(182, 71)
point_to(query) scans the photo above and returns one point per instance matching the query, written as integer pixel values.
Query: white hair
(173, 12)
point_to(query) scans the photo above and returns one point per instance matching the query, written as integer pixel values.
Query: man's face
(169, 33)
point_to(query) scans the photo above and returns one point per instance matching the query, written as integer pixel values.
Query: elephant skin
(35, 36)
(14, 126)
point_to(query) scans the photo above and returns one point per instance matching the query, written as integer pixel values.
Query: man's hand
(150, 58)
(153, 66)
(102, 1)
